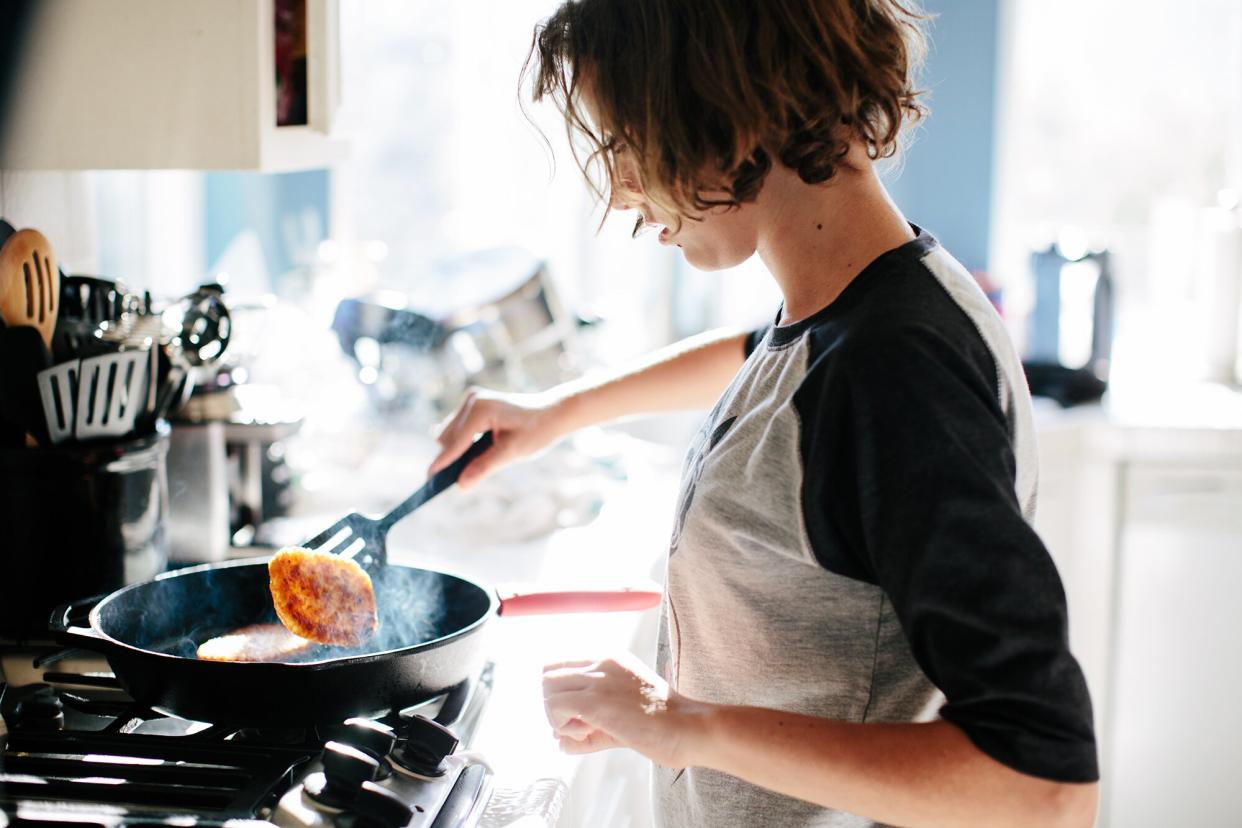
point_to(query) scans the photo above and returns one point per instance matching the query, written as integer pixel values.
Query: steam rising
(415, 606)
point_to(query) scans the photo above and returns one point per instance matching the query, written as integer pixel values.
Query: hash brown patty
(323, 597)
(257, 642)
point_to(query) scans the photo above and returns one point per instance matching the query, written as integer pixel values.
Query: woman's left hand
(620, 702)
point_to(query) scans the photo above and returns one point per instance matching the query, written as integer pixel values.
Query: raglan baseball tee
(854, 541)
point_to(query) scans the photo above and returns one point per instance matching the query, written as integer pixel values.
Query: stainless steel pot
(491, 318)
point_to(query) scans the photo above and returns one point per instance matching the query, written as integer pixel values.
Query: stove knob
(40, 709)
(368, 736)
(425, 747)
(372, 738)
(344, 769)
(380, 807)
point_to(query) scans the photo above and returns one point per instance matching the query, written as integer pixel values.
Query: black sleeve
(909, 474)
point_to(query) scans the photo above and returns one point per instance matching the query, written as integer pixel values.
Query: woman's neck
(815, 238)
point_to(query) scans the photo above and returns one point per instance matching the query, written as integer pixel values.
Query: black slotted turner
(365, 539)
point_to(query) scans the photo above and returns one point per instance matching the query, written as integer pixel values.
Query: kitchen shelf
(169, 84)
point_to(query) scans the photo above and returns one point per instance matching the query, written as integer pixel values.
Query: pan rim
(300, 666)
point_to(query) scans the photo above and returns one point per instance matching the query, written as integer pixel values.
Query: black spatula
(364, 539)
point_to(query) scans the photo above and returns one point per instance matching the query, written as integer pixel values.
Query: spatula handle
(438, 482)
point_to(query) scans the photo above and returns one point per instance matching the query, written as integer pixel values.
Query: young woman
(860, 626)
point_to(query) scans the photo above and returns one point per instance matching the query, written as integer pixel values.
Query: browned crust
(322, 597)
(257, 642)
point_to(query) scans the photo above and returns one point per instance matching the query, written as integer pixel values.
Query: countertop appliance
(492, 318)
(226, 467)
(77, 748)
(1069, 346)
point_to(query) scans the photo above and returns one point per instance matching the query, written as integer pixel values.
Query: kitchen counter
(1167, 421)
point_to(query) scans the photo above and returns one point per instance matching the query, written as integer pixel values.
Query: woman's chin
(709, 260)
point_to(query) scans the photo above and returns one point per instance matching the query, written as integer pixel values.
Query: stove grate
(134, 769)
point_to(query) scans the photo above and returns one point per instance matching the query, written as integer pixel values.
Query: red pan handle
(520, 600)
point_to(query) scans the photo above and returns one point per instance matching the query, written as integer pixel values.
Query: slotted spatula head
(29, 283)
(353, 536)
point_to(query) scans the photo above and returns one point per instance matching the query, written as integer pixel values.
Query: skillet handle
(69, 622)
(519, 601)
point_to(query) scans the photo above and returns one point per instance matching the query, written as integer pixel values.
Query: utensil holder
(79, 520)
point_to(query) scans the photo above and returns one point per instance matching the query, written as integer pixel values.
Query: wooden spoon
(29, 283)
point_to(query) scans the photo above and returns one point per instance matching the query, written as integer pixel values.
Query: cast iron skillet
(430, 639)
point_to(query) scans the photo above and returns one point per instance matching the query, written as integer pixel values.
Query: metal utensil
(102, 393)
(365, 539)
(167, 375)
(94, 299)
(201, 326)
(58, 389)
(29, 283)
(95, 397)
(86, 302)
(110, 394)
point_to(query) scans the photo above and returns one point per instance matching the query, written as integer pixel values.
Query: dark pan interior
(175, 614)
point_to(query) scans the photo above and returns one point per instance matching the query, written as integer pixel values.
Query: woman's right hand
(521, 425)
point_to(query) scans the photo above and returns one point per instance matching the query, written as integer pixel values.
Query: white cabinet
(1077, 518)
(171, 84)
(1175, 750)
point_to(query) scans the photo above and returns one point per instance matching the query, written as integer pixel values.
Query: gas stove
(77, 748)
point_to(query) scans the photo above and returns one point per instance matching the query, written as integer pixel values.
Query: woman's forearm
(689, 374)
(685, 375)
(927, 774)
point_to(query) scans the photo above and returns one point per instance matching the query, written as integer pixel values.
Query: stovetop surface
(77, 748)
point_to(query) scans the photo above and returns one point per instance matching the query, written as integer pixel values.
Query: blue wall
(945, 182)
(270, 204)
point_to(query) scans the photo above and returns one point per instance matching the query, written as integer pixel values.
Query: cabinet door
(168, 84)
(1176, 747)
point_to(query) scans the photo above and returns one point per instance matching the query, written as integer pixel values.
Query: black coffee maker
(1070, 335)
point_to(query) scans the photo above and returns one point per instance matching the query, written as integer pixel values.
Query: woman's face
(714, 240)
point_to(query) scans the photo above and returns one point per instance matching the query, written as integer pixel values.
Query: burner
(77, 747)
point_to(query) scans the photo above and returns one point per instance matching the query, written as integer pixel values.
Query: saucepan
(431, 638)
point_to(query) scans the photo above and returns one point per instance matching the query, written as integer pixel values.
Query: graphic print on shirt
(691, 478)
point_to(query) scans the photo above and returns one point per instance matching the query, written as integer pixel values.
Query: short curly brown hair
(706, 93)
